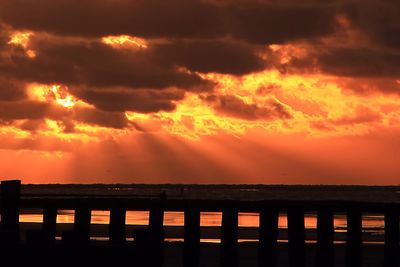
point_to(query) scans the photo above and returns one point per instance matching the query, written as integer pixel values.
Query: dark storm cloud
(95, 64)
(358, 62)
(380, 19)
(266, 23)
(376, 56)
(140, 100)
(91, 64)
(3, 36)
(11, 90)
(233, 106)
(253, 21)
(185, 37)
(34, 113)
(146, 18)
(213, 56)
(115, 120)
(24, 110)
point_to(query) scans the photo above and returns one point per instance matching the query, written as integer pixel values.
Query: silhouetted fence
(150, 241)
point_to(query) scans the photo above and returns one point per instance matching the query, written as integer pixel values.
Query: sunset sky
(200, 91)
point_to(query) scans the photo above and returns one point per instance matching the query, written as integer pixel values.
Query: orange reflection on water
(173, 218)
(210, 218)
(373, 222)
(36, 217)
(247, 219)
(65, 216)
(137, 217)
(100, 217)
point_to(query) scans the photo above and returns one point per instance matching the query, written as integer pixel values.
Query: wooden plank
(191, 247)
(392, 248)
(229, 237)
(325, 238)
(354, 238)
(268, 237)
(296, 236)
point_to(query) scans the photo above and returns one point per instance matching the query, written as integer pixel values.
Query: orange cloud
(159, 92)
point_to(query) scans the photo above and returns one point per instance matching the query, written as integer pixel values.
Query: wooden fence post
(50, 222)
(191, 246)
(229, 237)
(354, 238)
(325, 237)
(392, 248)
(81, 233)
(10, 196)
(156, 228)
(296, 236)
(117, 228)
(268, 237)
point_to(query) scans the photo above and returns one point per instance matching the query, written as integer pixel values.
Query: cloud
(34, 113)
(115, 120)
(140, 100)
(94, 64)
(185, 39)
(266, 23)
(358, 62)
(252, 21)
(370, 85)
(226, 57)
(378, 19)
(233, 106)
(360, 116)
(24, 109)
(11, 90)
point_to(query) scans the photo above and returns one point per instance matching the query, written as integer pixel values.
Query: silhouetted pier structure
(149, 242)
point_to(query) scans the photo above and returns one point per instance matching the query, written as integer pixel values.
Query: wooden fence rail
(152, 238)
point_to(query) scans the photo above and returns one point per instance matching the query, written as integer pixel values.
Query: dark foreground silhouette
(40, 247)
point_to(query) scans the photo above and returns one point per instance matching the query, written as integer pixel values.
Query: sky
(200, 91)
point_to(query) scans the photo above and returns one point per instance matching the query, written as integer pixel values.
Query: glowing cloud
(125, 41)
(22, 39)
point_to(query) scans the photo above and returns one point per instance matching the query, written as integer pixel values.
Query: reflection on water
(137, 217)
(373, 222)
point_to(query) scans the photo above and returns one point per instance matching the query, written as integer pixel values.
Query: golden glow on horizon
(125, 41)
